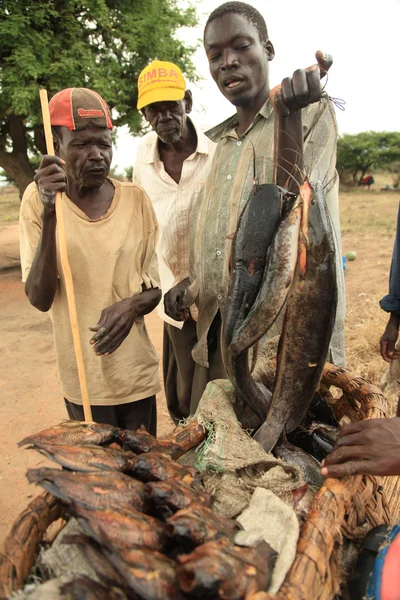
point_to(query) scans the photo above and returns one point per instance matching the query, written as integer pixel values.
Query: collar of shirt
(228, 127)
(153, 154)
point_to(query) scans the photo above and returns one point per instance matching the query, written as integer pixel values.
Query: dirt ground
(30, 397)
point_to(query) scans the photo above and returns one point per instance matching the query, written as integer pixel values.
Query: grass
(9, 204)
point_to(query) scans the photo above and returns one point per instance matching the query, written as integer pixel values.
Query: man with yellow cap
(111, 233)
(172, 163)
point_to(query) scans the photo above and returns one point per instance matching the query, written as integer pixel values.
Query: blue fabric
(391, 302)
(374, 586)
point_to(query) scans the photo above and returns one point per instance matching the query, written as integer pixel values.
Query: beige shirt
(172, 203)
(226, 191)
(110, 257)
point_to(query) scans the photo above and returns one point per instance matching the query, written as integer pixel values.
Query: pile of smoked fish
(148, 529)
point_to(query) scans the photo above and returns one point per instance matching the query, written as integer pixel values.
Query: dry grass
(9, 204)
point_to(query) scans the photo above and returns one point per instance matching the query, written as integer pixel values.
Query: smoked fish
(74, 432)
(154, 466)
(88, 457)
(165, 498)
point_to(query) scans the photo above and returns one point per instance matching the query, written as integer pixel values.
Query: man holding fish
(239, 51)
(111, 233)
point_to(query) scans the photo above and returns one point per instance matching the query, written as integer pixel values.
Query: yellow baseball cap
(160, 81)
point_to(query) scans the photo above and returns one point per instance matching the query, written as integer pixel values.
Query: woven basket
(348, 507)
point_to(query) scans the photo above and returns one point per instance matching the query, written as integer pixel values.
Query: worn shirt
(110, 258)
(215, 216)
(172, 203)
(391, 302)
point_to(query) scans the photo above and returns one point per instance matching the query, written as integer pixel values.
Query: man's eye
(214, 57)
(243, 47)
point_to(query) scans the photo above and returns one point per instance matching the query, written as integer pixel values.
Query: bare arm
(42, 281)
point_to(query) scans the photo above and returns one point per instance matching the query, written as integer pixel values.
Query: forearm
(144, 303)
(42, 281)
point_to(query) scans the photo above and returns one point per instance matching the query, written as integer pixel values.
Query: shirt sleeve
(30, 227)
(391, 302)
(149, 273)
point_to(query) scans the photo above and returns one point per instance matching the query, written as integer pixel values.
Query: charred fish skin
(276, 279)
(310, 467)
(121, 529)
(74, 432)
(87, 457)
(149, 575)
(165, 498)
(218, 569)
(309, 317)
(94, 490)
(84, 588)
(154, 466)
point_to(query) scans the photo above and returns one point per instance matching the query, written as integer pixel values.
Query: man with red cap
(111, 233)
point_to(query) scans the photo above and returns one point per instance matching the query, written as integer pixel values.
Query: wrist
(49, 213)
(394, 320)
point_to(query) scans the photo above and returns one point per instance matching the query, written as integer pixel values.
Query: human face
(87, 154)
(238, 60)
(168, 119)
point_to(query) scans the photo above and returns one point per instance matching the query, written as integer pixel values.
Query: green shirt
(237, 161)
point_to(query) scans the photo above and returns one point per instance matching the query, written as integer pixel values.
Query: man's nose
(95, 153)
(165, 115)
(229, 59)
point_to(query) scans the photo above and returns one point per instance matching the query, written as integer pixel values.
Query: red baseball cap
(74, 108)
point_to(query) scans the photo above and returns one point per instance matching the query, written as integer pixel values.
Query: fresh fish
(91, 490)
(318, 439)
(307, 327)
(310, 468)
(74, 432)
(167, 497)
(276, 281)
(88, 457)
(96, 558)
(321, 411)
(149, 575)
(197, 524)
(154, 466)
(179, 441)
(121, 528)
(256, 227)
(218, 569)
(84, 588)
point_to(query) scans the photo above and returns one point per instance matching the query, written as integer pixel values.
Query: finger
(344, 454)
(356, 467)
(384, 351)
(113, 347)
(351, 428)
(287, 94)
(396, 355)
(110, 344)
(300, 87)
(278, 103)
(313, 86)
(101, 332)
(106, 341)
(49, 159)
(391, 347)
(325, 62)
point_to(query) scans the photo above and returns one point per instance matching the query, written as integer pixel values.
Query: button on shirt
(225, 193)
(172, 203)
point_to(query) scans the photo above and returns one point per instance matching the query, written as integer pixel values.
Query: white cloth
(172, 203)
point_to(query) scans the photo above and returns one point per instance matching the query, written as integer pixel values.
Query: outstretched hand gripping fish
(271, 239)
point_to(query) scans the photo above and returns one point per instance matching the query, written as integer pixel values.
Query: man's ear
(270, 50)
(188, 101)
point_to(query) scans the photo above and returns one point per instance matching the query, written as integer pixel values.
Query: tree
(101, 44)
(368, 150)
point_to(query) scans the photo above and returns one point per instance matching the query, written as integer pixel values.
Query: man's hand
(366, 448)
(303, 88)
(50, 179)
(389, 339)
(173, 301)
(113, 326)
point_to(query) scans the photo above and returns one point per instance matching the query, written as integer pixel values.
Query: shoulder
(215, 133)
(137, 199)
(30, 203)
(148, 141)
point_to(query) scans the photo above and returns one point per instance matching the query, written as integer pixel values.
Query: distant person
(111, 232)
(367, 181)
(172, 164)
(239, 50)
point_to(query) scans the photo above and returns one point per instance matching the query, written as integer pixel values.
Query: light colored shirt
(172, 203)
(225, 193)
(110, 258)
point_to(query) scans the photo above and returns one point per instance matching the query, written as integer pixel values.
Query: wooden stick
(66, 269)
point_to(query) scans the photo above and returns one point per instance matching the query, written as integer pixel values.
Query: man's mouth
(232, 82)
(96, 171)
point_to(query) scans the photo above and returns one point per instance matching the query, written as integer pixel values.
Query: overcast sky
(362, 36)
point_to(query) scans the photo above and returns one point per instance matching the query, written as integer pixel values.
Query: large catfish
(256, 227)
(307, 327)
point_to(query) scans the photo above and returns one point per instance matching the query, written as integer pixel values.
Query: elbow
(36, 299)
